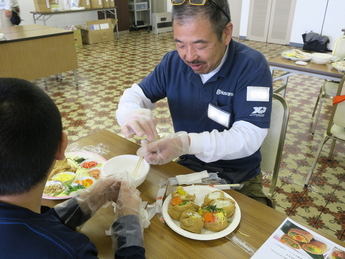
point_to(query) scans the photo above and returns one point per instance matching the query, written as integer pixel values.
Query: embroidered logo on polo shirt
(259, 111)
(220, 92)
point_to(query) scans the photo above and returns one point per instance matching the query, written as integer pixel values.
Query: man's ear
(60, 153)
(228, 33)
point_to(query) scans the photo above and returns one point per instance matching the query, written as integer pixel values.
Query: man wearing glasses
(219, 93)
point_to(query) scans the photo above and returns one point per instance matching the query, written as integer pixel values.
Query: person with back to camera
(6, 9)
(219, 93)
(31, 140)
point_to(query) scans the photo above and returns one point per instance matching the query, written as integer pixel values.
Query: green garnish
(79, 160)
(73, 188)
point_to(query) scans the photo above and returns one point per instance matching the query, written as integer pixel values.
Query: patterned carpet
(106, 69)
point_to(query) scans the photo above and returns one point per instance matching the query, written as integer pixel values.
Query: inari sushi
(215, 218)
(191, 221)
(177, 206)
(212, 196)
(226, 204)
(183, 194)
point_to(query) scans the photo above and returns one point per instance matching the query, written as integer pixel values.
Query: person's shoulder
(246, 54)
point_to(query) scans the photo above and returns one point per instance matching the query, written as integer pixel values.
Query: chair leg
(331, 149)
(315, 161)
(316, 118)
(317, 102)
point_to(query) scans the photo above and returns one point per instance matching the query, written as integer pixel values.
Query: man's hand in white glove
(141, 122)
(166, 149)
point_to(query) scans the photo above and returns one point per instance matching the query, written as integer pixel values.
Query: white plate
(340, 66)
(306, 56)
(88, 156)
(200, 192)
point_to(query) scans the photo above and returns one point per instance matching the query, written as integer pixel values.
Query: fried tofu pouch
(191, 221)
(183, 194)
(215, 218)
(177, 206)
(212, 196)
(286, 239)
(227, 204)
(300, 235)
(315, 247)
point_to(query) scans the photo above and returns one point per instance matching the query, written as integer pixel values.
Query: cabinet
(140, 13)
(271, 20)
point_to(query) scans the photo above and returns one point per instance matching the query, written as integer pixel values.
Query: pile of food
(301, 239)
(212, 215)
(340, 66)
(77, 171)
(296, 54)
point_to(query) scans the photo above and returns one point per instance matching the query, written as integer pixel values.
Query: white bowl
(127, 163)
(321, 58)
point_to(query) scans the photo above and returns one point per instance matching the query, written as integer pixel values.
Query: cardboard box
(96, 4)
(106, 3)
(113, 22)
(97, 31)
(111, 3)
(77, 37)
(42, 6)
(85, 3)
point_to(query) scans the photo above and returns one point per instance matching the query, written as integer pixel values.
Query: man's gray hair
(186, 12)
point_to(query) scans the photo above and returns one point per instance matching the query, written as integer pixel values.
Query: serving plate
(340, 66)
(201, 192)
(296, 55)
(81, 172)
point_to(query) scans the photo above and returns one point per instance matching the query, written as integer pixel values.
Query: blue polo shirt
(189, 98)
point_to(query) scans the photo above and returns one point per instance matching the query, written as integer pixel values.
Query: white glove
(166, 149)
(128, 201)
(141, 122)
(87, 202)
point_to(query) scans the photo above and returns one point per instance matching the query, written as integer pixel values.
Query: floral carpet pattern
(107, 69)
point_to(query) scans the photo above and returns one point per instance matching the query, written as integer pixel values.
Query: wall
(59, 21)
(309, 16)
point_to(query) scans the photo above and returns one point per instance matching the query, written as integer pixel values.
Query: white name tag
(218, 115)
(258, 94)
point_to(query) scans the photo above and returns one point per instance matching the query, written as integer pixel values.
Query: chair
(329, 88)
(335, 129)
(272, 147)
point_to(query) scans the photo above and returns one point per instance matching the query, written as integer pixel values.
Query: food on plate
(227, 204)
(71, 189)
(338, 255)
(191, 221)
(180, 191)
(53, 188)
(64, 177)
(296, 54)
(86, 182)
(62, 166)
(286, 239)
(89, 164)
(215, 218)
(300, 235)
(340, 66)
(95, 173)
(315, 247)
(177, 206)
(212, 196)
(78, 171)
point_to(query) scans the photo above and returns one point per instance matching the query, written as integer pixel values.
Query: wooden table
(290, 68)
(44, 16)
(35, 51)
(257, 223)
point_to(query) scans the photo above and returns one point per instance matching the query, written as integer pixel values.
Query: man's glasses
(201, 2)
